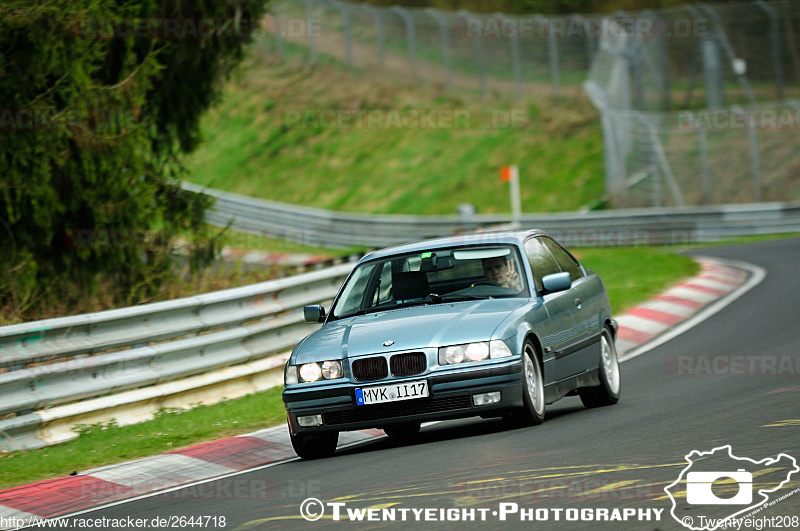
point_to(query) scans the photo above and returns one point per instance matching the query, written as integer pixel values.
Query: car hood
(413, 327)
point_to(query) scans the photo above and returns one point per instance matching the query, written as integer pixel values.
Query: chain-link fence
(652, 74)
(735, 139)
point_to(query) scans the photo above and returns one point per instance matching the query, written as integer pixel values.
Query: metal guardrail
(60, 361)
(57, 372)
(651, 226)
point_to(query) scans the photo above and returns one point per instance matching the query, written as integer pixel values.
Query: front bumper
(450, 397)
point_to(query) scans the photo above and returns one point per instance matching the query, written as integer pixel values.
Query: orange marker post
(510, 174)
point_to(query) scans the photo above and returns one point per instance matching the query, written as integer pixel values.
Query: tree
(100, 99)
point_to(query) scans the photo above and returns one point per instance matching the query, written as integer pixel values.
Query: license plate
(391, 393)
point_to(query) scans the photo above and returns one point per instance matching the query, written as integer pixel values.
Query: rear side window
(565, 260)
(542, 262)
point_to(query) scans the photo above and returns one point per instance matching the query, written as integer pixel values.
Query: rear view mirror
(433, 264)
(557, 282)
(314, 313)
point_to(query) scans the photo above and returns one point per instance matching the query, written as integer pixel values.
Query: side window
(564, 259)
(542, 262)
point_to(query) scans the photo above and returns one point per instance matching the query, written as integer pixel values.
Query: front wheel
(607, 393)
(532, 412)
(315, 446)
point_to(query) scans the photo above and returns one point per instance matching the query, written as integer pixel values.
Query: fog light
(312, 420)
(484, 399)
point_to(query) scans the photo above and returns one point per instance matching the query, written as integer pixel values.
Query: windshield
(443, 275)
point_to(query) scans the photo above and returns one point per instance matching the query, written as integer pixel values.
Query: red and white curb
(102, 486)
(717, 280)
(640, 329)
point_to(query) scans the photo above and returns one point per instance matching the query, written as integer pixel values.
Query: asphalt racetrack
(731, 380)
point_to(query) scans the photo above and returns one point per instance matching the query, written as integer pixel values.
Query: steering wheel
(485, 283)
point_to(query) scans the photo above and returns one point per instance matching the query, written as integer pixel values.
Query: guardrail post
(704, 164)
(411, 37)
(446, 52)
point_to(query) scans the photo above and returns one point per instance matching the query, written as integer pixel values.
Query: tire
(607, 393)
(403, 431)
(532, 412)
(315, 446)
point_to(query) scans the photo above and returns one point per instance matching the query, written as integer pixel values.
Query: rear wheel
(532, 412)
(403, 430)
(607, 393)
(316, 446)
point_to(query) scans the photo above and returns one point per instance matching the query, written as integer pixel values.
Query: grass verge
(631, 275)
(318, 137)
(170, 430)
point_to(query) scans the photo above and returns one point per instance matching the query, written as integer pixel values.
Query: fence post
(348, 40)
(715, 93)
(378, 22)
(445, 36)
(411, 37)
(278, 41)
(478, 40)
(662, 60)
(552, 48)
(591, 47)
(774, 30)
(513, 42)
(312, 44)
(726, 45)
(755, 161)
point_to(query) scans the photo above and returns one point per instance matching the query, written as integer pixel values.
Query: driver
(502, 271)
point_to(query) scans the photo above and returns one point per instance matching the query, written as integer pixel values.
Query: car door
(583, 354)
(559, 330)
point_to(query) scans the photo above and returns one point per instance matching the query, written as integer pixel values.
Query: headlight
(449, 355)
(331, 370)
(473, 352)
(477, 351)
(312, 372)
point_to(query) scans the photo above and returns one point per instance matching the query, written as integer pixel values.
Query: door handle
(578, 303)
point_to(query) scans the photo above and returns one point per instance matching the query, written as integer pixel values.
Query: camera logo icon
(698, 488)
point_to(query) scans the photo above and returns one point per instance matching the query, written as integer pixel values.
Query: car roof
(479, 238)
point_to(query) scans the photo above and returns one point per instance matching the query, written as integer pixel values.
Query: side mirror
(557, 282)
(314, 313)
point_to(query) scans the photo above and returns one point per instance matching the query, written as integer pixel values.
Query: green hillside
(292, 133)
